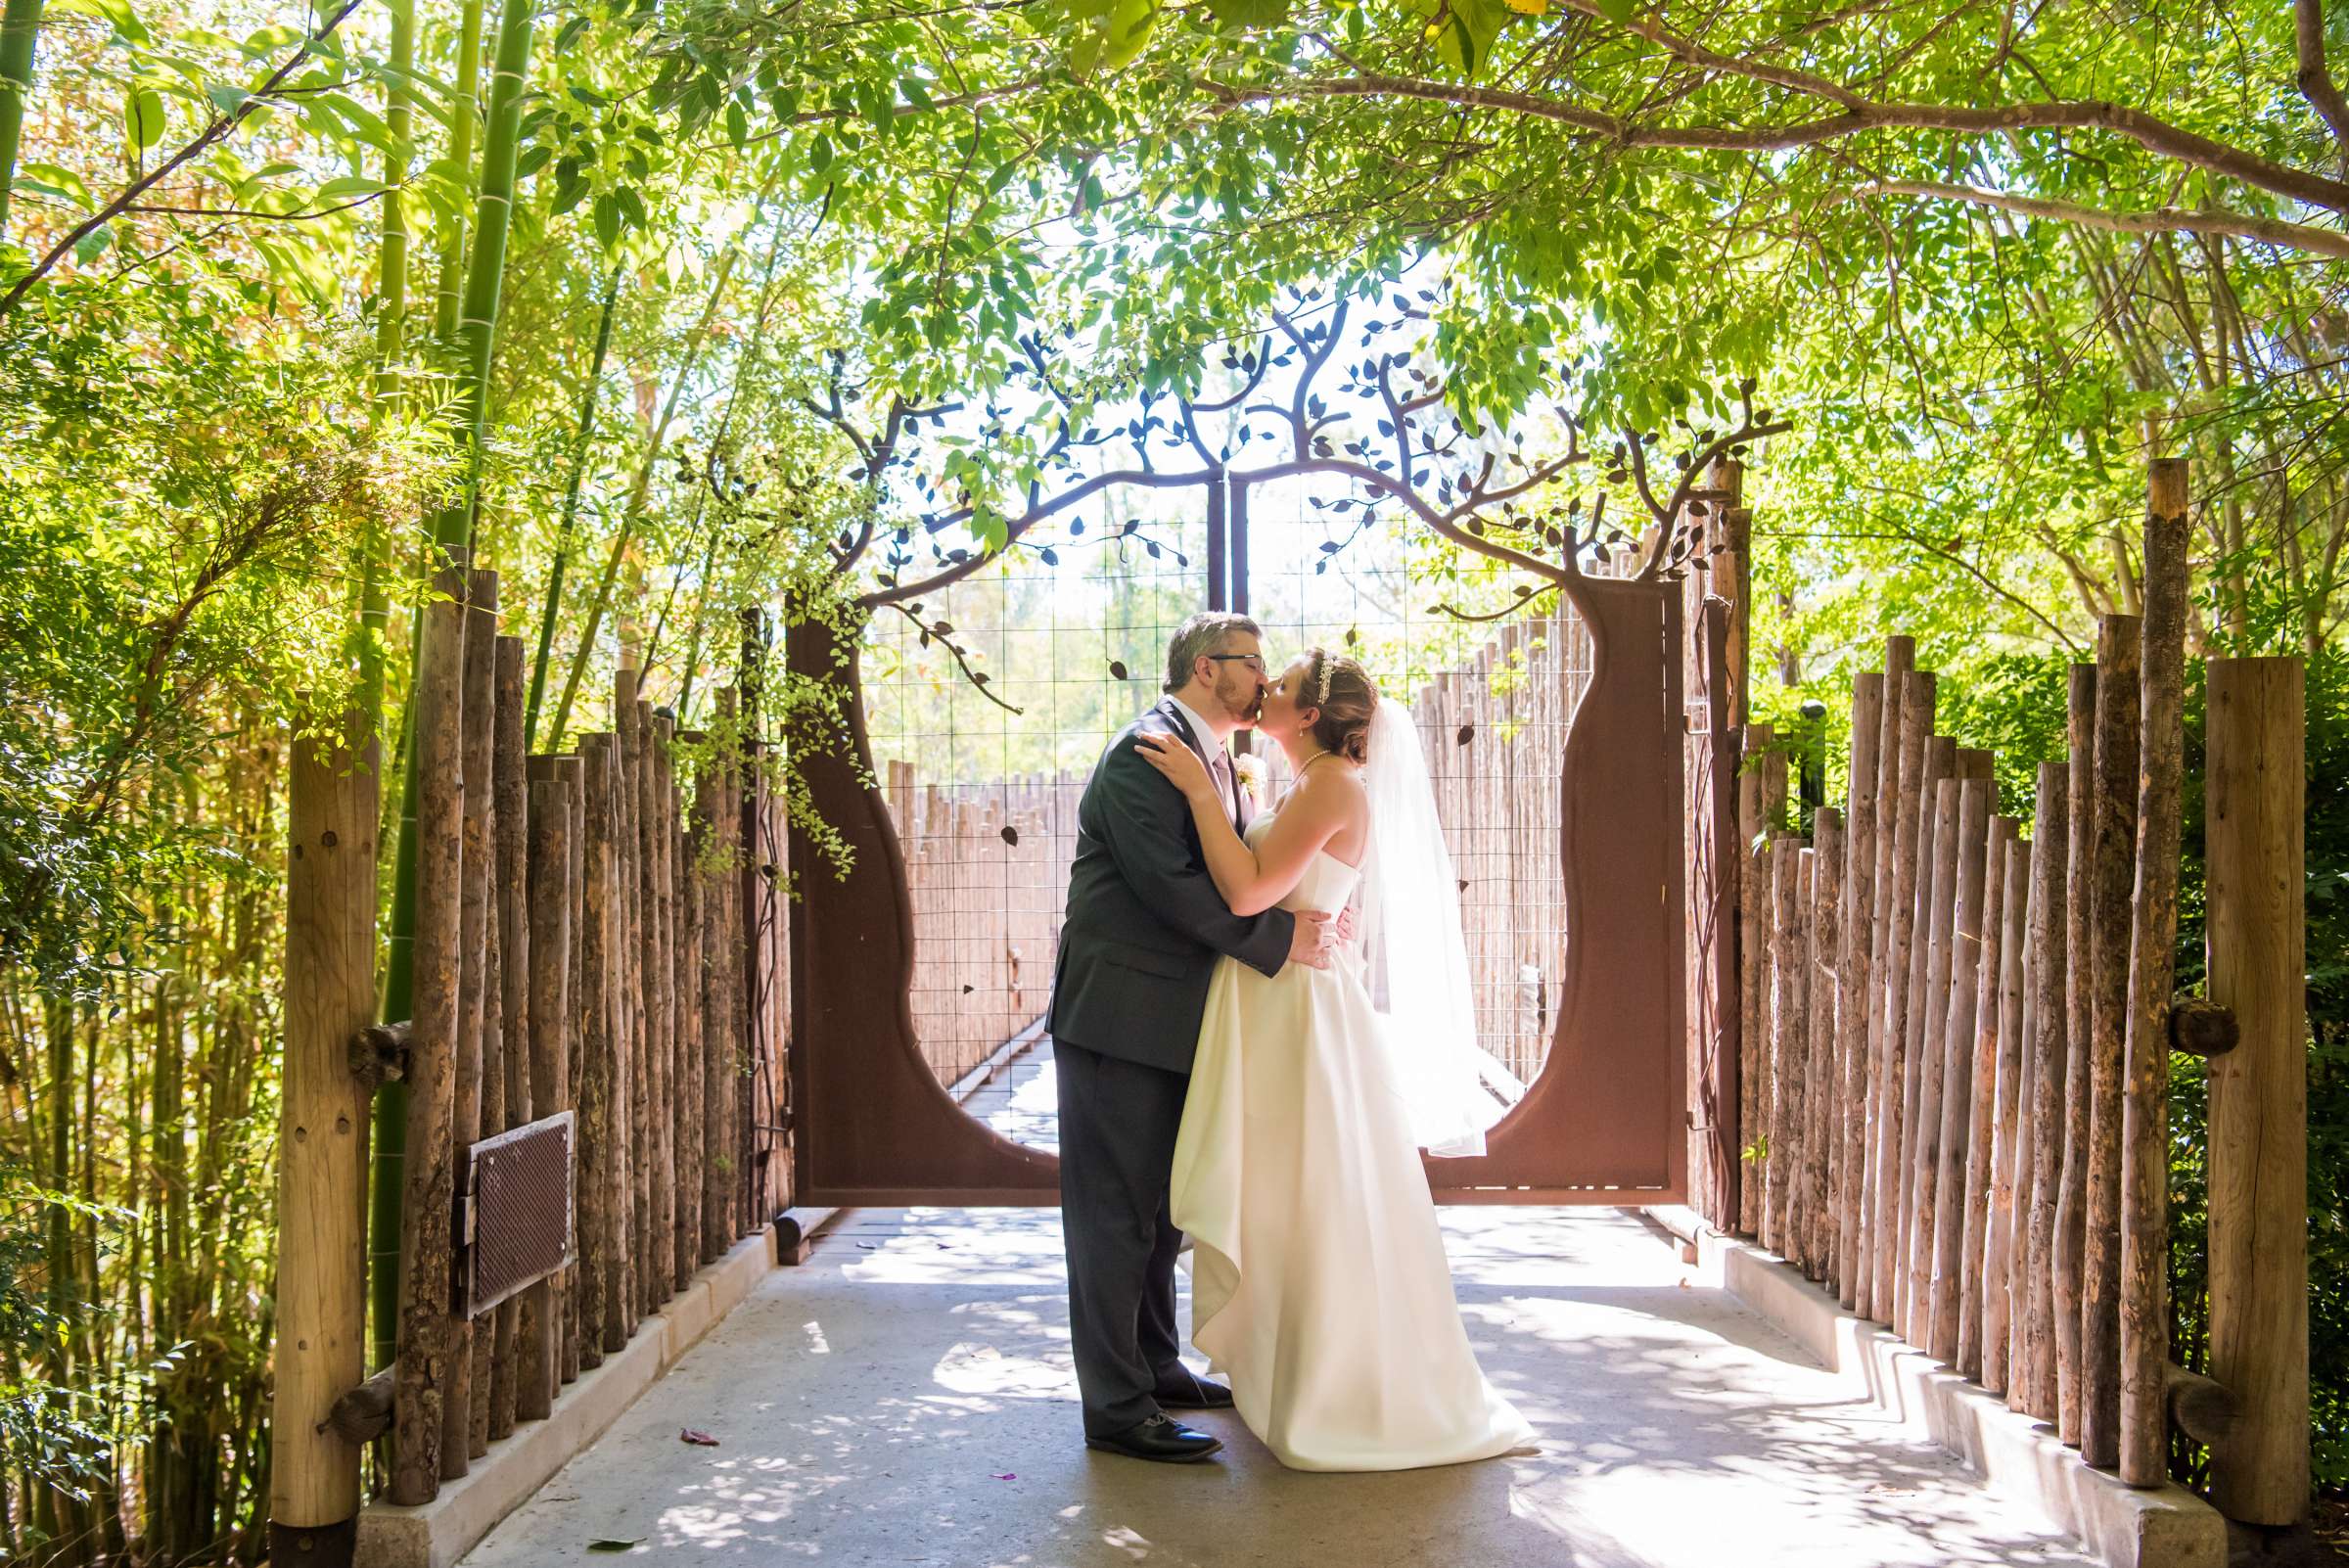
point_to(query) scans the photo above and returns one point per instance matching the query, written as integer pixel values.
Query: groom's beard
(1242, 700)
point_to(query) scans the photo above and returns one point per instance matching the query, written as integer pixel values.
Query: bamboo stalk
(1857, 873)
(2109, 918)
(2145, 1259)
(2071, 1193)
(2258, 940)
(424, 1362)
(2006, 1218)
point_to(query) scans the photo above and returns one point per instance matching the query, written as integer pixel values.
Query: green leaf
(227, 100)
(335, 192)
(1619, 12)
(1252, 13)
(738, 126)
(607, 221)
(91, 246)
(819, 157)
(50, 180)
(142, 117)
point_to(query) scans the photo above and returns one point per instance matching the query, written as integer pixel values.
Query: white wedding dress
(1318, 1281)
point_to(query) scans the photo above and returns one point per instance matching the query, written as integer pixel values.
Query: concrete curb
(438, 1532)
(2020, 1458)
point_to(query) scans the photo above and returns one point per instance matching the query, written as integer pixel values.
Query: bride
(1319, 1279)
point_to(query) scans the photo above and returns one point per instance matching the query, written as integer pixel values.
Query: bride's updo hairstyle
(1341, 691)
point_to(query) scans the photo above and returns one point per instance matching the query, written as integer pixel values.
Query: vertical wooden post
(511, 818)
(720, 949)
(658, 967)
(332, 808)
(2071, 1197)
(1852, 978)
(1939, 763)
(1825, 1074)
(2008, 1178)
(1900, 659)
(2145, 1328)
(1753, 964)
(1972, 1084)
(1900, 923)
(538, 1354)
(692, 1059)
(1788, 1026)
(572, 772)
(422, 1370)
(2117, 660)
(1930, 1048)
(599, 1180)
(2258, 937)
(473, 914)
(2050, 837)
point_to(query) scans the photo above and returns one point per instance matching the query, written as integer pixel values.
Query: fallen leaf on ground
(700, 1438)
(615, 1545)
(1007, 1475)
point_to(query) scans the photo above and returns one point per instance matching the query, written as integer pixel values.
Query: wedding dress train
(1319, 1279)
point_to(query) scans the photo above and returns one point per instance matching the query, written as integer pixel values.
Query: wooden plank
(537, 1352)
(462, 1439)
(1900, 659)
(2046, 956)
(332, 808)
(2259, 1092)
(1978, 1044)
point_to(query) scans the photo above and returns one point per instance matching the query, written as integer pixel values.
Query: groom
(1143, 930)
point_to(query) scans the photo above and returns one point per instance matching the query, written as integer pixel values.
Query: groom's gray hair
(1202, 633)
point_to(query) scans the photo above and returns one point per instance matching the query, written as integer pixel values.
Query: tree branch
(2313, 80)
(1860, 115)
(125, 198)
(2158, 220)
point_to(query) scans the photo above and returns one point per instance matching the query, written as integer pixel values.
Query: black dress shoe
(1194, 1394)
(1161, 1438)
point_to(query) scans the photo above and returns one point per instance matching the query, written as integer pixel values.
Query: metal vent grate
(521, 1211)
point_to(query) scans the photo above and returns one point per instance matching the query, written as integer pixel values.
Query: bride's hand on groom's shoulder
(1179, 762)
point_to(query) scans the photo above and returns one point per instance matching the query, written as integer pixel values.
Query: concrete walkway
(906, 1398)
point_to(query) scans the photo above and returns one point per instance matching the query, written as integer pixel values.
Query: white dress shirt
(1218, 759)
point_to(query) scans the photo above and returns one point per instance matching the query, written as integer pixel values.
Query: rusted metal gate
(1604, 1121)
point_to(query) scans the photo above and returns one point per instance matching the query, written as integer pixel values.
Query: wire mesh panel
(1492, 701)
(983, 736)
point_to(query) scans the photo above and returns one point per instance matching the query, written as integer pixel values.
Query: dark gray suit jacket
(1145, 924)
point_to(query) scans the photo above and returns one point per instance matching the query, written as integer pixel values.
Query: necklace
(1307, 769)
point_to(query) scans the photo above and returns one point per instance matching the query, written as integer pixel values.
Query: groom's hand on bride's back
(1310, 944)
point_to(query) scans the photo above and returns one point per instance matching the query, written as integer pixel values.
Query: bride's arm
(1251, 881)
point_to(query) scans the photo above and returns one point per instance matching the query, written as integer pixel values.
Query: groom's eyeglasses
(1254, 662)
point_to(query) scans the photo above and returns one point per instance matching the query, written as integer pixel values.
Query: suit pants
(1117, 1124)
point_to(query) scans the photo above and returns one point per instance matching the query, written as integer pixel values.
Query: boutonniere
(1249, 770)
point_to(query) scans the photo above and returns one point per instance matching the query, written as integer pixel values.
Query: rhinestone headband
(1322, 699)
